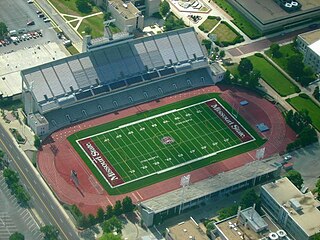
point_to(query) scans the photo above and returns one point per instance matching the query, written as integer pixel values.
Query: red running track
(57, 157)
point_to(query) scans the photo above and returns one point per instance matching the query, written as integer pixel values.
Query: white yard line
(159, 123)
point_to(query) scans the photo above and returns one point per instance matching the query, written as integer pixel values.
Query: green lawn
(300, 103)
(233, 69)
(239, 19)
(74, 23)
(95, 23)
(273, 77)
(113, 28)
(72, 50)
(224, 33)
(136, 149)
(69, 18)
(287, 51)
(208, 24)
(69, 7)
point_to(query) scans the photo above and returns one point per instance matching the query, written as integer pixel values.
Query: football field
(158, 143)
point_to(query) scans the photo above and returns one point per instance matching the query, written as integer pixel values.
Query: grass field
(239, 19)
(300, 103)
(69, 7)
(208, 24)
(162, 143)
(273, 77)
(224, 33)
(95, 23)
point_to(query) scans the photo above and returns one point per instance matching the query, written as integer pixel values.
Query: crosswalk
(14, 218)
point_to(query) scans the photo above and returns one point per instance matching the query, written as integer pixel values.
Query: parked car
(47, 20)
(30, 23)
(30, 1)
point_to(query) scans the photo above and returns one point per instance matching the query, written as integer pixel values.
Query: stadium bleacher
(115, 77)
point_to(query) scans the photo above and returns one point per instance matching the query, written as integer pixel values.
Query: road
(59, 21)
(41, 199)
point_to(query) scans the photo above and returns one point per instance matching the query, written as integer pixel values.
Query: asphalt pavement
(16, 14)
(42, 200)
(14, 217)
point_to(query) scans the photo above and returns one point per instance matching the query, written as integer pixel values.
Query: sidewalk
(10, 121)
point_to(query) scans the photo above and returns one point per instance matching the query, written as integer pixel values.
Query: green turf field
(162, 142)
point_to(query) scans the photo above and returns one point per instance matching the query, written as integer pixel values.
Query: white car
(287, 157)
(30, 1)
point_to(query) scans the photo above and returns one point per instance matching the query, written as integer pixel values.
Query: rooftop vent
(273, 236)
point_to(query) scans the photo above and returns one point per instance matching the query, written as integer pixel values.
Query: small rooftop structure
(253, 219)
(188, 230)
(247, 224)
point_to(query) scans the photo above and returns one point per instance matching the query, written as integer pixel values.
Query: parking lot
(15, 218)
(16, 14)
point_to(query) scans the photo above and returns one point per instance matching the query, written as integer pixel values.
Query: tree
(107, 16)
(164, 8)
(3, 30)
(316, 93)
(109, 212)
(127, 205)
(248, 198)
(82, 221)
(295, 177)
(315, 237)
(50, 232)
(100, 215)
(112, 224)
(298, 120)
(245, 66)
(37, 142)
(227, 212)
(295, 65)
(227, 77)
(117, 210)
(91, 220)
(222, 54)
(207, 43)
(171, 23)
(10, 176)
(16, 236)
(87, 30)
(253, 78)
(275, 50)
(110, 236)
(84, 6)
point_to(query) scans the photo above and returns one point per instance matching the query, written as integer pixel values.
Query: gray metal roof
(113, 63)
(211, 185)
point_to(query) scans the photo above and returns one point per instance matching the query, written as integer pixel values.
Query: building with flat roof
(248, 224)
(188, 230)
(115, 76)
(309, 44)
(128, 17)
(157, 209)
(269, 15)
(297, 213)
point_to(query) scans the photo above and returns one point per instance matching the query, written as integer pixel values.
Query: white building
(309, 45)
(297, 213)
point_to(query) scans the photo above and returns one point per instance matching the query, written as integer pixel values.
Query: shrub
(304, 95)
(260, 55)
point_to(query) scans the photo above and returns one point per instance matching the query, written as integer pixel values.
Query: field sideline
(167, 141)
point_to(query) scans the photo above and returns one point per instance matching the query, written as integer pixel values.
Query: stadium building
(155, 210)
(113, 77)
(274, 15)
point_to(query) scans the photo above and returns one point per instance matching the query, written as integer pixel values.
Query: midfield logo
(167, 140)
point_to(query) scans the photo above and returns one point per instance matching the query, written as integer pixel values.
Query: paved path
(60, 22)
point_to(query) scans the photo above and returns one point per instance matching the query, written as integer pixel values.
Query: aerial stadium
(129, 118)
